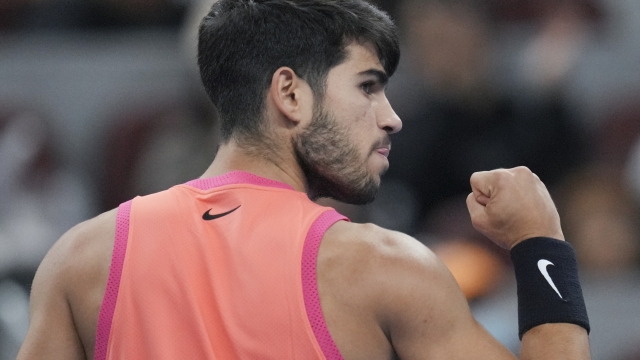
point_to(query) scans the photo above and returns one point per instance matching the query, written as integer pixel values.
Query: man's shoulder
(82, 255)
(68, 288)
(92, 235)
(377, 260)
(353, 239)
(386, 277)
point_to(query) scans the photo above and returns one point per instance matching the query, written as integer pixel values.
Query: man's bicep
(433, 319)
(52, 333)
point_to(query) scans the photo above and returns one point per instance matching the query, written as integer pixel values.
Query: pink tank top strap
(113, 283)
(310, 282)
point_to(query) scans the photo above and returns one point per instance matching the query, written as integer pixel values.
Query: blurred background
(100, 101)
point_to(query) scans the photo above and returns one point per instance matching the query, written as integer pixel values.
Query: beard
(332, 164)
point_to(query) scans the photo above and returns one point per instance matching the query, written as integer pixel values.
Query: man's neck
(279, 166)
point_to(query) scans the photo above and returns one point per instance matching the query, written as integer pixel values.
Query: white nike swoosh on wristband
(542, 266)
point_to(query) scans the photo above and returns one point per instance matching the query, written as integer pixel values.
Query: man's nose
(388, 120)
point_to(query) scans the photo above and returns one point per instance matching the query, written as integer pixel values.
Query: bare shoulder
(85, 257)
(364, 274)
(391, 283)
(385, 263)
(68, 289)
(374, 238)
(83, 251)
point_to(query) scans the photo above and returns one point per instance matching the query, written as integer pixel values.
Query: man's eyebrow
(380, 75)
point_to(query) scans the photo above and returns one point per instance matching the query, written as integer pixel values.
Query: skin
(383, 294)
(332, 165)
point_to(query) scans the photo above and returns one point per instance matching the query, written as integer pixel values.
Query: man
(241, 264)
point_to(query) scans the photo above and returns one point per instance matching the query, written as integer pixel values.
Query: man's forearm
(555, 342)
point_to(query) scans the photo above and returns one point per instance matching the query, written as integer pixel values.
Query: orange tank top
(218, 268)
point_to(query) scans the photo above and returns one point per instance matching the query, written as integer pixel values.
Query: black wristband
(548, 286)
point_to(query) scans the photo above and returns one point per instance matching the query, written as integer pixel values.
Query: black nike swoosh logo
(207, 216)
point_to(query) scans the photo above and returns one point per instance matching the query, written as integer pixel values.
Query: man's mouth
(384, 151)
(383, 147)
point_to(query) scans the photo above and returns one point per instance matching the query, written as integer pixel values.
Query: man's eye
(367, 87)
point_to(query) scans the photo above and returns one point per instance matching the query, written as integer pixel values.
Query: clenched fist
(512, 205)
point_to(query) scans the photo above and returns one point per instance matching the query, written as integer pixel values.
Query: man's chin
(346, 194)
(382, 172)
(361, 196)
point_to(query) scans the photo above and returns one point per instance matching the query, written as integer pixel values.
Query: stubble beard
(331, 163)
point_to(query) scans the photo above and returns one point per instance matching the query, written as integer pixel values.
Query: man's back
(229, 283)
(145, 311)
(227, 263)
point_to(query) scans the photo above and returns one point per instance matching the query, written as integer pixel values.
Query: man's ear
(291, 95)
